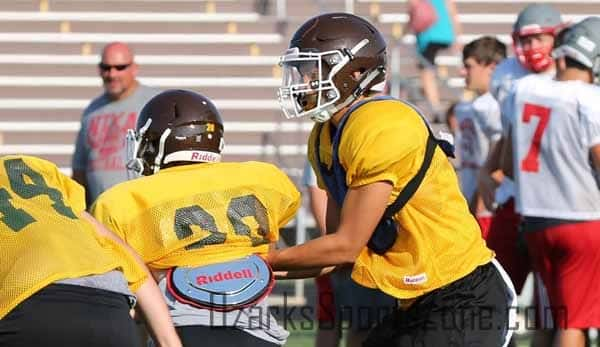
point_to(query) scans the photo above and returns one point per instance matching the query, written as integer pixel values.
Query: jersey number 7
(531, 162)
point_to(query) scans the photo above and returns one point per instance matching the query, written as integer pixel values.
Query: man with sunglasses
(98, 161)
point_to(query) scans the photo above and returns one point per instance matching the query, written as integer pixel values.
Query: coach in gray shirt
(99, 158)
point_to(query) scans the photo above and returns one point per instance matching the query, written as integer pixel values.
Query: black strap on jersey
(415, 182)
(384, 236)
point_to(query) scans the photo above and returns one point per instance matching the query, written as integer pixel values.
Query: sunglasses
(107, 67)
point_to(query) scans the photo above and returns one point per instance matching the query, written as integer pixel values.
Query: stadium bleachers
(221, 48)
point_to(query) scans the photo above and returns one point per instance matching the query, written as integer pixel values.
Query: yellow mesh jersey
(41, 238)
(199, 214)
(439, 241)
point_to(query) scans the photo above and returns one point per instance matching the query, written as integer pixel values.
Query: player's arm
(298, 274)
(506, 156)
(492, 180)
(332, 217)
(149, 297)
(326, 214)
(595, 153)
(318, 206)
(490, 176)
(360, 213)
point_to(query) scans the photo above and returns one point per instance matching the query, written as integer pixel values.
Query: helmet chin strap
(327, 113)
(161, 150)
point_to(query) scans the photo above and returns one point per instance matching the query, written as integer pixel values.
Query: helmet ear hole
(357, 75)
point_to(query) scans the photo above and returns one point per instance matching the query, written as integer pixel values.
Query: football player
(198, 222)
(478, 120)
(66, 280)
(554, 129)
(534, 33)
(429, 254)
(533, 38)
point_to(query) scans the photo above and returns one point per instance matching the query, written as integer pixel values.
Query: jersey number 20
(238, 208)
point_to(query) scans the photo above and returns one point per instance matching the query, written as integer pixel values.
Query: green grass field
(306, 338)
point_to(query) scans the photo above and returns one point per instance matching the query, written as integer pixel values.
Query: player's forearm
(328, 250)
(318, 207)
(595, 154)
(492, 162)
(156, 315)
(298, 274)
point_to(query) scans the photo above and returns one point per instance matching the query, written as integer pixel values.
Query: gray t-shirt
(113, 281)
(100, 148)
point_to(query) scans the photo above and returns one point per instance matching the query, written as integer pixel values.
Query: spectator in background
(478, 120)
(262, 7)
(441, 35)
(98, 161)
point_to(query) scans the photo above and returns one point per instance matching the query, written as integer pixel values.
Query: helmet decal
(175, 127)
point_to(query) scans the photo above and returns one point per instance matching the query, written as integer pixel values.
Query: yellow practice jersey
(42, 239)
(199, 214)
(438, 241)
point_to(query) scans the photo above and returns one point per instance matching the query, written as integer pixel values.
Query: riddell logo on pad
(224, 276)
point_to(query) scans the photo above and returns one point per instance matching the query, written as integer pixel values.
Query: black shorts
(473, 311)
(213, 336)
(62, 315)
(358, 308)
(427, 57)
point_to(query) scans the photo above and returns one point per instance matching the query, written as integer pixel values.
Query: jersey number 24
(17, 218)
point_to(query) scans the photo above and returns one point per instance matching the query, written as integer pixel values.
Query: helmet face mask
(134, 164)
(320, 67)
(538, 58)
(175, 127)
(536, 20)
(308, 88)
